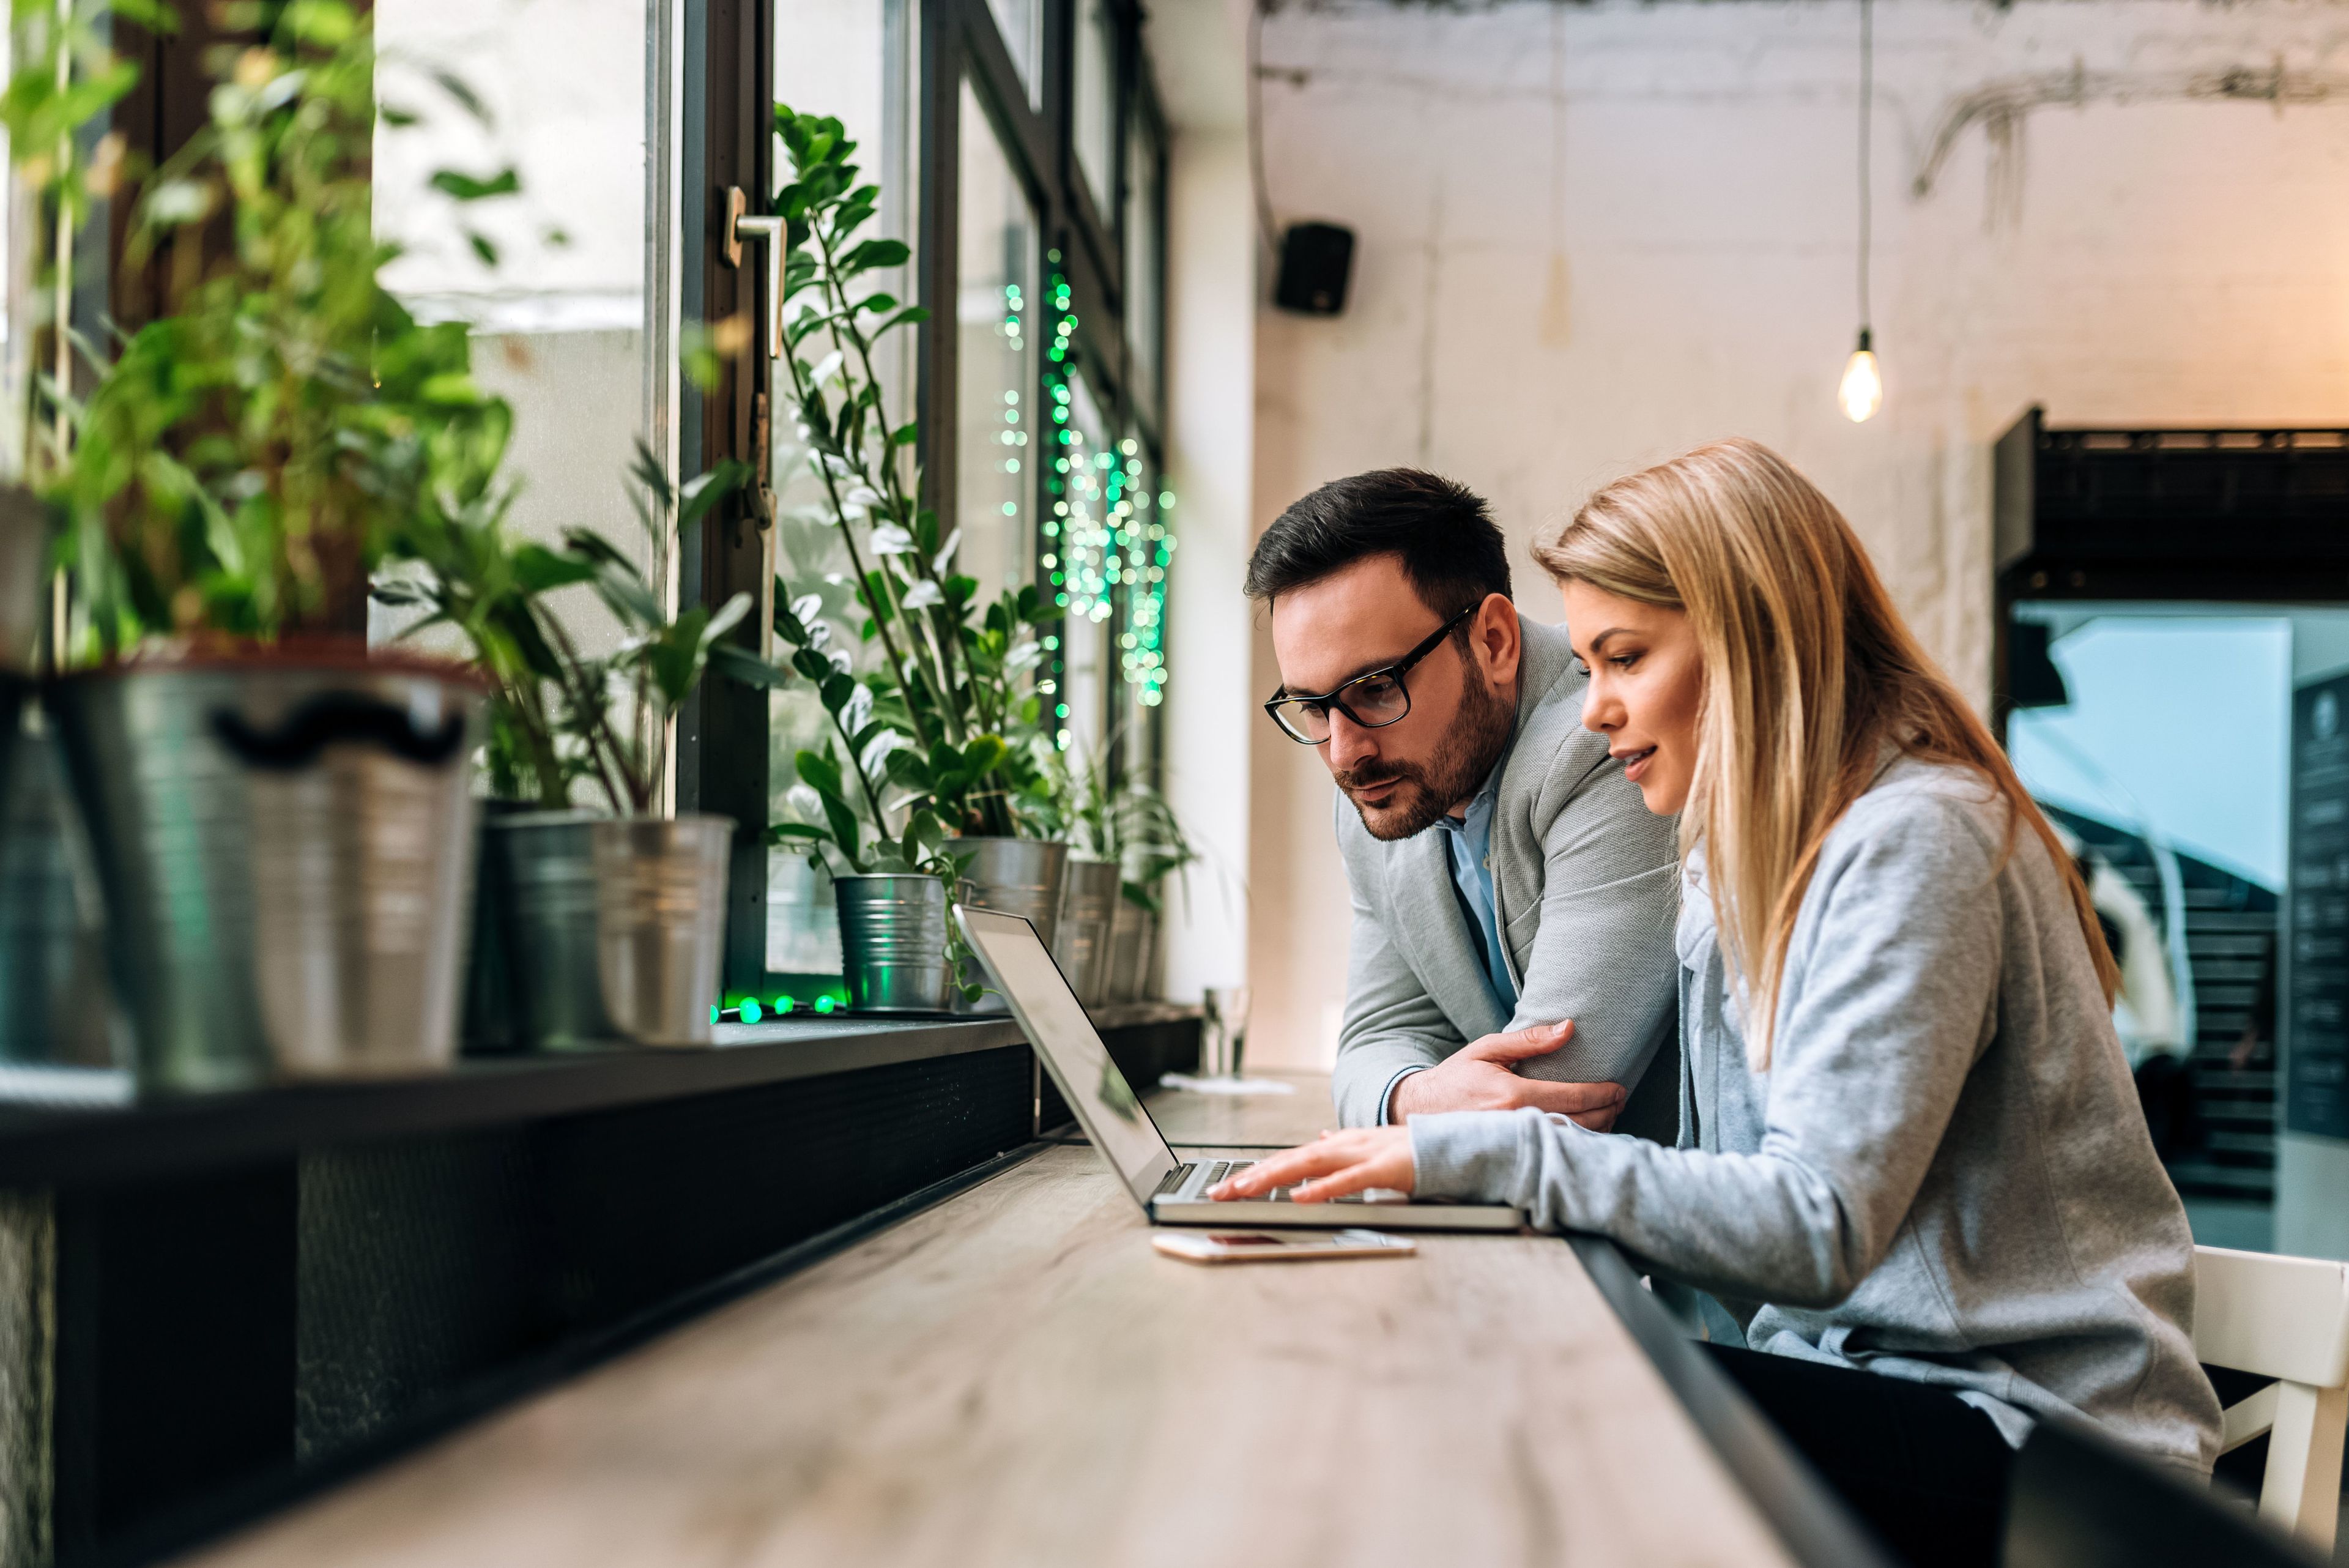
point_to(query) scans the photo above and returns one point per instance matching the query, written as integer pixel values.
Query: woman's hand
(1332, 1166)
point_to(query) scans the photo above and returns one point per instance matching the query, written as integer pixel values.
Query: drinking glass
(1223, 1030)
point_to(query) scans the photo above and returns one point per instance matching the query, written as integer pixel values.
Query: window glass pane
(1144, 292)
(995, 307)
(1144, 553)
(2209, 868)
(847, 59)
(559, 318)
(1081, 565)
(1021, 23)
(1094, 108)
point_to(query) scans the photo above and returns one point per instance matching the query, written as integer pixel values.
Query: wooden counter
(1015, 1379)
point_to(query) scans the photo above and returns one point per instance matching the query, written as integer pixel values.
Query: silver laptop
(1170, 1192)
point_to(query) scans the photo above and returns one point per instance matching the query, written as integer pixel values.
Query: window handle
(741, 226)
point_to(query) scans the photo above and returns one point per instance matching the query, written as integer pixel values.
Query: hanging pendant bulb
(1862, 392)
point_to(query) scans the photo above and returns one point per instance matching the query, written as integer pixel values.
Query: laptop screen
(1106, 1105)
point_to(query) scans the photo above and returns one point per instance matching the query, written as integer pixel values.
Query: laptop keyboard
(1192, 1180)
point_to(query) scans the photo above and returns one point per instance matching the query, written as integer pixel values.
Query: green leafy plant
(245, 460)
(951, 686)
(561, 714)
(64, 74)
(1125, 822)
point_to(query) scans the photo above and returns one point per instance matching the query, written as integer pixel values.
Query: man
(1514, 900)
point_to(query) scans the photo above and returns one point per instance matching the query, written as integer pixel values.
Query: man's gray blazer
(1585, 887)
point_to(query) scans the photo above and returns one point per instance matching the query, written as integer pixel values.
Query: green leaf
(465, 97)
(742, 664)
(465, 187)
(875, 254)
(818, 773)
(482, 247)
(538, 569)
(705, 490)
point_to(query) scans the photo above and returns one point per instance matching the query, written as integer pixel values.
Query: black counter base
(232, 1333)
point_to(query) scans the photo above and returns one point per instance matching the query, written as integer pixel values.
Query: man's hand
(1482, 1077)
(1332, 1166)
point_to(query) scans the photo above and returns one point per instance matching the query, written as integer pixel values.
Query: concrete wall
(1592, 235)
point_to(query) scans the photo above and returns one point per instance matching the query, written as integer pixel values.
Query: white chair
(2286, 1318)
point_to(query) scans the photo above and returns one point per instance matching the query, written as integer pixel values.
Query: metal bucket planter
(661, 923)
(892, 942)
(1016, 877)
(285, 842)
(1089, 899)
(1133, 944)
(533, 981)
(54, 1008)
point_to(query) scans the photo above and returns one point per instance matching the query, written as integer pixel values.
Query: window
(1093, 106)
(556, 290)
(1021, 25)
(996, 308)
(1145, 260)
(848, 59)
(2193, 852)
(1082, 560)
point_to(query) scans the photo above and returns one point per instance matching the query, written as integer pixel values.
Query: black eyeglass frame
(1395, 671)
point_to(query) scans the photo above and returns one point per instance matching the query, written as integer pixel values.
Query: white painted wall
(1593, 236)
(1198, 48)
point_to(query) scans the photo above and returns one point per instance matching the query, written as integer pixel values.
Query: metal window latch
(762, 463)
(740, 226)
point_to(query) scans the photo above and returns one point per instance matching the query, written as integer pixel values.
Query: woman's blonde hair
(1808, 672)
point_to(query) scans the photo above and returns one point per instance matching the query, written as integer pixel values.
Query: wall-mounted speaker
(1316, 262)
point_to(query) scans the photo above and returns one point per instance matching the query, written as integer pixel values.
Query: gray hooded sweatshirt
(1944, 1174)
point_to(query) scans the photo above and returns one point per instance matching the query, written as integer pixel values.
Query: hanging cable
(1861, 392)
(1866, 103)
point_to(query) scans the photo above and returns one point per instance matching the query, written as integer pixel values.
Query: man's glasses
(1372, 701)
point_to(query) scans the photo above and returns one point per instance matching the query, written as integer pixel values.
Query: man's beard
(1469, 749)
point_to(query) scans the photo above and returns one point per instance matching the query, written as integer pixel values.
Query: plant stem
(856, 766)
(891, 486)
(855, 559)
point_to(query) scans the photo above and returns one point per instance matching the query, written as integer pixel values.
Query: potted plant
(1149, 844)
(615, 921)
(281, 820)
(950, 731)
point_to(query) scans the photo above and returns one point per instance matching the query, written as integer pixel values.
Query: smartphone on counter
(1267, 1247)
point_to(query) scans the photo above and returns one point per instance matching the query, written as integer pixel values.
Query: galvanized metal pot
(1133, 945)
(535, 978)
(1016, 876)
(1089, 899)
(53, 1006)
(285, 841)
(661, 923)
(892, 942)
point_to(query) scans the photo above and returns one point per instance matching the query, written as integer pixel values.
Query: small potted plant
(280, 818)
(614, 920)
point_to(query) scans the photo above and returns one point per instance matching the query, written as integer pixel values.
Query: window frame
(710, 66)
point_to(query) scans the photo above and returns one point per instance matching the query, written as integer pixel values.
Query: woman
(1911, 1157)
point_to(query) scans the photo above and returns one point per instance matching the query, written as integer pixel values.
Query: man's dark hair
(1441, 533)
